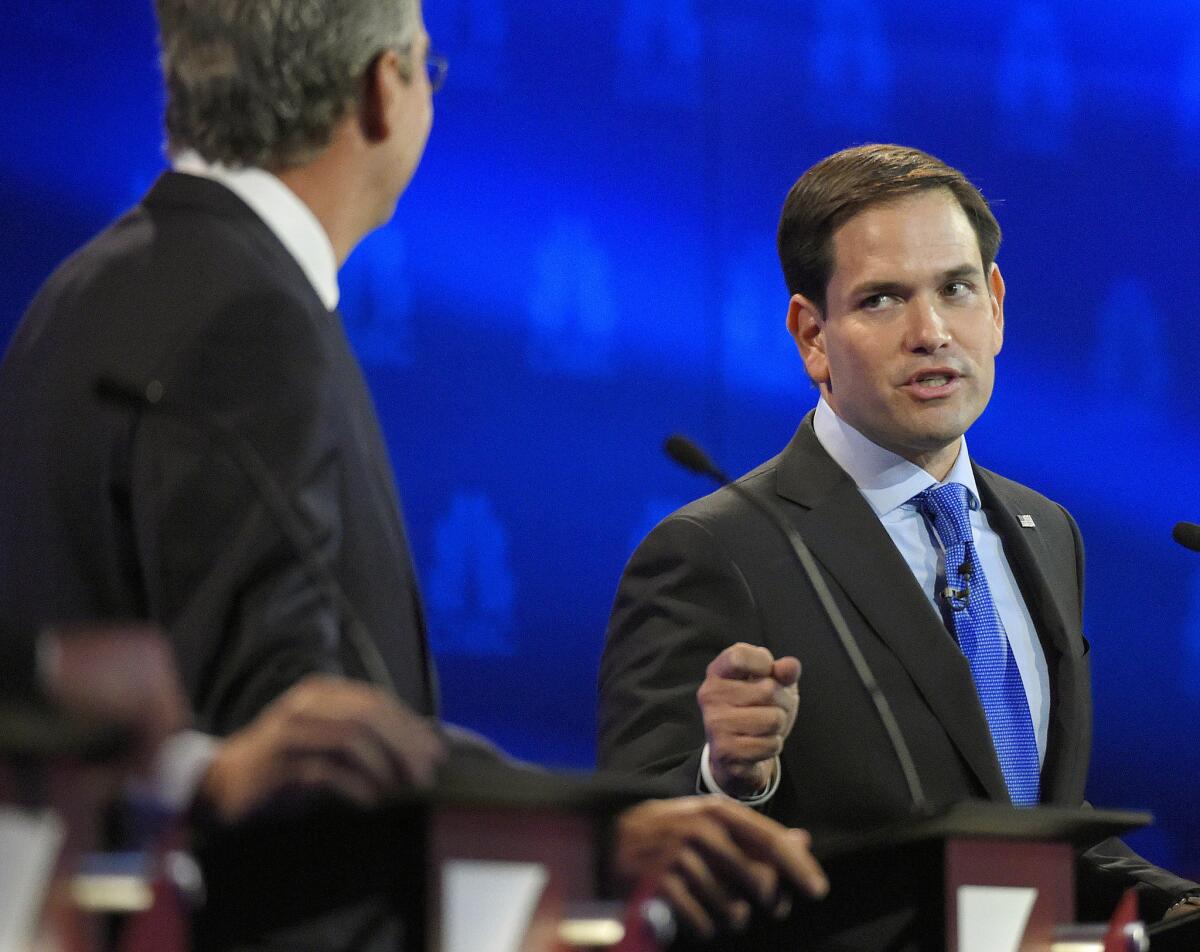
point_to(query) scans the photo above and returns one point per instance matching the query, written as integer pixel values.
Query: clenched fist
(749, 701)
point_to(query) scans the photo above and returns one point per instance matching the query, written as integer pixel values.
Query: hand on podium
(1187, 906)
(328, 734)
(715, 860)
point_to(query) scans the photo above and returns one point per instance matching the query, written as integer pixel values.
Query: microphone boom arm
(690, 456)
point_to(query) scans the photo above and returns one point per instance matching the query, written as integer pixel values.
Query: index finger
(786, 670)
(743, 661)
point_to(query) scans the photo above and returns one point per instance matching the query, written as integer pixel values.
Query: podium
(527, 838)
(539, 842)
(925, 883)
(981, 855)
(932, 883)
(535, 841)
(58, 772)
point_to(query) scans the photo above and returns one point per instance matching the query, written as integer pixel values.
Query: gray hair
(265, 82)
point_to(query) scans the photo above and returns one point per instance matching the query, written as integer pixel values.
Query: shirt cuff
(705, 783)
(181, 763)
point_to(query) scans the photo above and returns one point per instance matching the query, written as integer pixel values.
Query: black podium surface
(32, 732)
(977, 819)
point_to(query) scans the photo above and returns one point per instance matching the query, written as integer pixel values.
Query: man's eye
(957, 289)
(876, 301)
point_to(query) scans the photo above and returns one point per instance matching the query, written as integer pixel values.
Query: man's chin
(931, 443)
(923, 438)
(934, 426)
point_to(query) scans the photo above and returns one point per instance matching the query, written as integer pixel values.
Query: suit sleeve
(681, 601)
(1111, 867)
(246, 616)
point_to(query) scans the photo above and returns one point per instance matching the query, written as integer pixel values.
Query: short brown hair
(837, 188)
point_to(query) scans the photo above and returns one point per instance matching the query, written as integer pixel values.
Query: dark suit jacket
(112, 511)
(116, 512)
(717, 572)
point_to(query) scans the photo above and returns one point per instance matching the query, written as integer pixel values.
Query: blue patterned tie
(981, 637)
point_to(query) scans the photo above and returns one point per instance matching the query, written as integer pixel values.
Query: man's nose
(928, 330)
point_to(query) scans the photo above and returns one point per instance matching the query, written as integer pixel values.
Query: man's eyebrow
(870, 288)
(963, 271)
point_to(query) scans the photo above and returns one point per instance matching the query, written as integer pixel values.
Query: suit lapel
(1029, 558)
(851, 544)
(1031, 561)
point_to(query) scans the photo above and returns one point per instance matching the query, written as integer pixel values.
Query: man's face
(415, 106)
(410, 114)
(904, 351)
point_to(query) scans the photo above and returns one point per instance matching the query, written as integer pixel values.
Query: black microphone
(151, 397)
(1187, 534)
(688, 455)
(957, 599)
(691, 457)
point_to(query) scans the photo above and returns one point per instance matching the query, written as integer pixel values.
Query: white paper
(993, 918)
(29, 845)
(488, 906)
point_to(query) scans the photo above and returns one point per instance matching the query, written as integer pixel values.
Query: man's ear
(996, 287)
(379, 89)
(807, 327)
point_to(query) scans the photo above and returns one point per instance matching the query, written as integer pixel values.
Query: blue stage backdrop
(585, 264)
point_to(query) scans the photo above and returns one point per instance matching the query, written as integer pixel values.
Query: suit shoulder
(156, 261)
(210, 304)
(719, 511)
(1021, 497)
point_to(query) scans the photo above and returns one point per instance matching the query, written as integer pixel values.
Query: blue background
(585, 264)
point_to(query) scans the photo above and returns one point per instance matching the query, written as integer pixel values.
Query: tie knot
(947, 507)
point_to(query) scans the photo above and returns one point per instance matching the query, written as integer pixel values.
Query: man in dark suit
(187, 438)
(897, 311)
(217, 293)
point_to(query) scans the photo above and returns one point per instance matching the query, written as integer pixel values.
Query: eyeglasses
(436, 66)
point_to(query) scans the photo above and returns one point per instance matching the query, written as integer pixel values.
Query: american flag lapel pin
(1026, 521)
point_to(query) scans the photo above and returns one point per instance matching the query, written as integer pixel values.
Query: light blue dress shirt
(888, 482)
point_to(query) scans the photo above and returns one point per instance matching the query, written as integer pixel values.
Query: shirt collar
(282, 210)
(886, 481)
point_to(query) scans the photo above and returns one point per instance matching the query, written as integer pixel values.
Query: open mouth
(936, 381)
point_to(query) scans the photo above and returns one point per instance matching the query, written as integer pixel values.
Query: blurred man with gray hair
(247, 506)
(193, 443)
